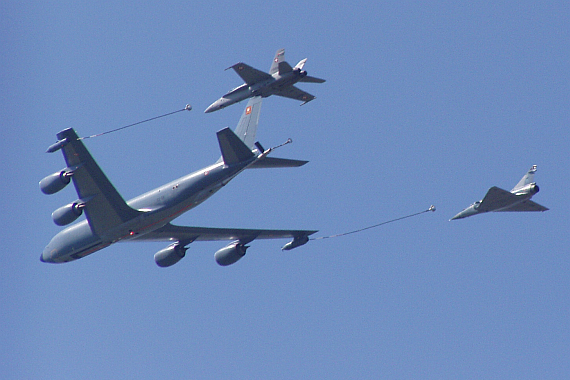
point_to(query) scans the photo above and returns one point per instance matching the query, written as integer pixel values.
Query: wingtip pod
(296, 242)
(57, 146)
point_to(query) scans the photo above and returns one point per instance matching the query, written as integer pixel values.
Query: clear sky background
(425, 103)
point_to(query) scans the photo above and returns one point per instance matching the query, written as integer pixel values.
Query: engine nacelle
(230, 254)
(55, 182)
(169, 255)
(67, 214)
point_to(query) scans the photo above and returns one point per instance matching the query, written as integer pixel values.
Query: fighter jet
(279, 81)
(518, 199)
(109, 219)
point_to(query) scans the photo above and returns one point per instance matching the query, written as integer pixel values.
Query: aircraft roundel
(248, 110)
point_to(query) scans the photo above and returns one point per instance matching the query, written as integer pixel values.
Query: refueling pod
(170, 255)
(296, 242)
(230, 253)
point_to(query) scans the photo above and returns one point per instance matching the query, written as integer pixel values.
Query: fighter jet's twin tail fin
(279, 57)
(280, 65)
(239, 146)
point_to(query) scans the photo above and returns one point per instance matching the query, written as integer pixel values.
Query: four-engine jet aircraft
(109, 219)
(518, 199)
(279, 81)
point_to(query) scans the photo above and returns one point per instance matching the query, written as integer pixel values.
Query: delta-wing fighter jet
(279, 81)
(109, 219)
(518, 199)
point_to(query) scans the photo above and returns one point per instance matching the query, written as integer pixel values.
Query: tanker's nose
(47, 255)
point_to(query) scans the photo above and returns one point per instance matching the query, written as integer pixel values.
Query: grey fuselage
(264, 89)
(158, 207)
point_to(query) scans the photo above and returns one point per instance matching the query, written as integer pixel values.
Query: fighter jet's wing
(104, 206)
(497, 198)
(309, 79)
(526, 206)
(295, 93)
(171, 232)
(249, 74)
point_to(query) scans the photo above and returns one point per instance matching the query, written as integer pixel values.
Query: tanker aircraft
(518, 199)
(279, 81)
(109, 219)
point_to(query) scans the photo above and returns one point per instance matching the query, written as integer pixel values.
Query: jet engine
(68, 213)
(531, 188)
(170, 255)
(230, 254)
(301, 73)
(55, 182)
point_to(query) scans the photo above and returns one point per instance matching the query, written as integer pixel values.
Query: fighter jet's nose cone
(42, 258)
(212, 107)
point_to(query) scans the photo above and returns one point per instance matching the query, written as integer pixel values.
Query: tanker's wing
(104, 207)
(171, 232)
(249, 74)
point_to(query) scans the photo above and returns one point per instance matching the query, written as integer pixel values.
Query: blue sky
(425, 103)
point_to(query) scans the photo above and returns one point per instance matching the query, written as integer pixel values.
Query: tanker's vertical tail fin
(247, 125)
